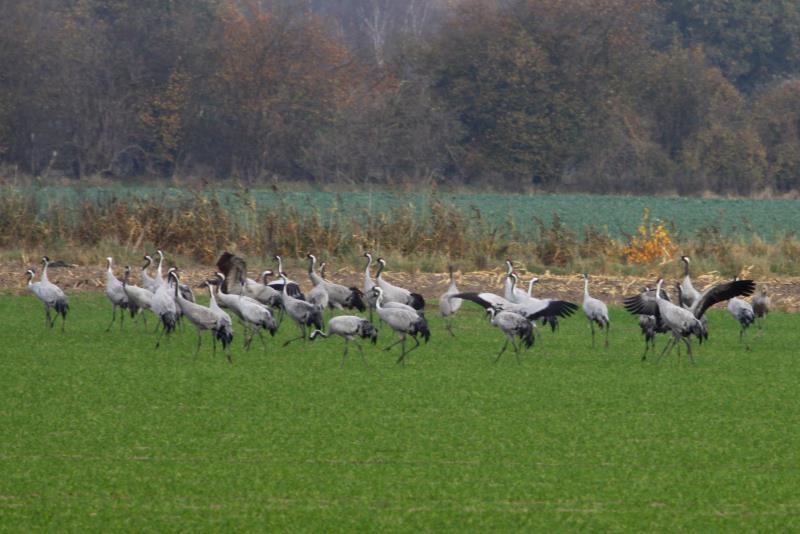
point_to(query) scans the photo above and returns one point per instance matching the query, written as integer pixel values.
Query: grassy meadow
(103, 433)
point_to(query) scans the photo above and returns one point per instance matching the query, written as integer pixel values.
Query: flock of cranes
(261, 305)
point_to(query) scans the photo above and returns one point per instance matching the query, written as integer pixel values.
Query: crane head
(685, 259)
(45, 260)
(109, 259)
(30, 273)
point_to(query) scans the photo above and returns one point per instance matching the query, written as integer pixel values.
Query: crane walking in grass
(596, 310)
(761, 306)
(513, 325)
(116, 294)
(349, 327)
(254, 315)
(448, 305)
(404, 322)
(50, 294)
(303, 313)
(138, 296)
(211, 318)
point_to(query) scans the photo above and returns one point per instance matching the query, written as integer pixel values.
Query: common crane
(513, 325)
(116, 294)
(550, 320)
(689, 294)
(141, 297)
(510, 291)
(683, 322)
(349, 327)
(337, 296)
(369, 285)
(235, 269)
(596, 310)
(393, 293)
(185, 289)
(651, 325)
(50, 294)
(448, 305)
(762, 305)
(211, 318)
(303, 313)
(165, 307)
(293, 288)
(743, 312)
(404, 322)
(147, 281)
(254, 315)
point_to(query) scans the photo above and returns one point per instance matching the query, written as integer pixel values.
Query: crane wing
(720, 292)
(642, 304)
(484, 300)
(233, 267)
(559, 308)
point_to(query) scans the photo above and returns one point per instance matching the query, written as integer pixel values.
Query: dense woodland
(593, 95)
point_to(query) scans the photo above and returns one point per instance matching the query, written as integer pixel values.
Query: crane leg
(395, 343)
(261, 337)
(48, 321)
(608, 327)
(113, 316)
(63, 322)
(449, 327)
(199, 342)
(505, 345)
(346, 349)
(516, 350)
(361, 352)
(689, 349)
(591, 325)
(301, 336)
(402, 358)
(121, 318)
(416, 346)
(669, 344)
(213, 345)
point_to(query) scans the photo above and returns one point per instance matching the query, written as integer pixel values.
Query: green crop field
(103, 433)
(739, 217)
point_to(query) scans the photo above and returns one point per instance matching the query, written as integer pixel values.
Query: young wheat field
(103, 433)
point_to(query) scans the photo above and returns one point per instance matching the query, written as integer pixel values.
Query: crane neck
(44, 278)
(685, 268)
(530, 287)
(658, 289)
(586, 286)
(380, 269)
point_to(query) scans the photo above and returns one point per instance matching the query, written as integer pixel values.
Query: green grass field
(103, 433)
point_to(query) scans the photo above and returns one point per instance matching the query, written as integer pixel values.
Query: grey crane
(50, 294)
(185, 289)
(254, 315)
(549, 320)
(397, 294)
(369, 285)
(688, 294)
(528, 304)
(147, 281)
(337, 296)
(293, 288)
(139, 296)
(762, 305)
(165, 307)
(510, 291)
(116, 294)
(596, 310)
(303, 313)
(743, 312)
(448, 305)
(513, 325)
(651, 325)
(211, 318)
(404, 322)
(349, 327)
(683, 322)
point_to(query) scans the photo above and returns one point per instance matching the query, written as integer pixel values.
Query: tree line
(635, 96)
